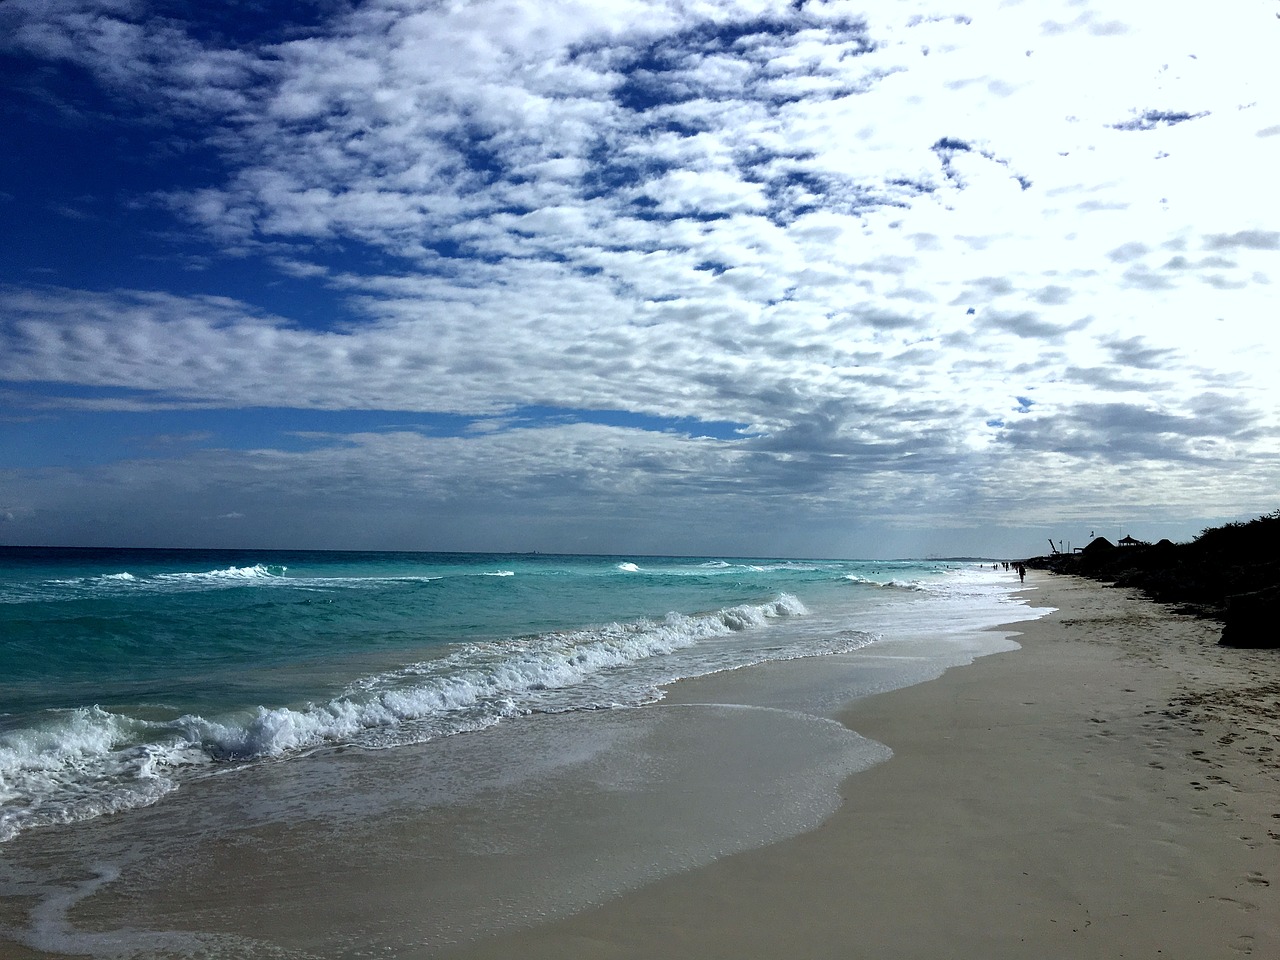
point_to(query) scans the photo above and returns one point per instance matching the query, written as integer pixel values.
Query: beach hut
(1098, 545)
(1128, 541)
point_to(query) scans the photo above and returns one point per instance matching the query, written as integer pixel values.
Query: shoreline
(1105, 786)
(1108, 790)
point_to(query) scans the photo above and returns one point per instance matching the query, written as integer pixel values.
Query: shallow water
(415, 831)
(130, 672)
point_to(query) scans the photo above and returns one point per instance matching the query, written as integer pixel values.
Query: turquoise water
(124, 673)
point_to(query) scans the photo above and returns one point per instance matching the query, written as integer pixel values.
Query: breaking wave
(914, 585)
(90, 761)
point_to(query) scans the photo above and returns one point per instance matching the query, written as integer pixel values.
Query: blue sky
(800, 278)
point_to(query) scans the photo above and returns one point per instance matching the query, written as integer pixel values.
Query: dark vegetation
(1229, 573)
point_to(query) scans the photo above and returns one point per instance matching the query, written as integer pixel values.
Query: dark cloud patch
(1129, 432)
(1107, 378)
(1053, 295)
(958, 19)
(1219, 282)
(1182, 263)
(1046, 359)
(1246, 239)
(1030, 326)
(1087, 21)
(1136, 353)
(1093, 206)
(1143, 277)
(1128, 252)
(1151, 119)
(884, 320)
(822, 445)
(912, 295)
(1111, 28)
(1219, 414)
(990, 287)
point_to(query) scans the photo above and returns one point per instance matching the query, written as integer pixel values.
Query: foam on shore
(1108, 790)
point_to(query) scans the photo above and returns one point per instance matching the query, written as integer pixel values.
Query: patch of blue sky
(609, 171)
(715, 267)
(85, 175)
(79, 438)
(68, 132)
(81, 209)
(543, 416)
(649, 214)
(249, 24)
(80, 203)
(45, 432)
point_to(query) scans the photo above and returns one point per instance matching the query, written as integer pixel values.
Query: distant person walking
(1022, 573)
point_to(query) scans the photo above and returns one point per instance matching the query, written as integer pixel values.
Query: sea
(131, 679)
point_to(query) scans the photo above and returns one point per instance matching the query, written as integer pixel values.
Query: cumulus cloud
(852, 234)
(1249, 239)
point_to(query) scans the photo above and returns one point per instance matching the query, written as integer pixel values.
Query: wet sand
(1110, 790)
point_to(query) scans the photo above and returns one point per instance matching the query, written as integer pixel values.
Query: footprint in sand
(1243, 944)
(1242, 905)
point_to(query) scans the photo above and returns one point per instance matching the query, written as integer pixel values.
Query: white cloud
(859, 238)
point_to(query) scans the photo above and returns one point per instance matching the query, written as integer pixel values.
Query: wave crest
(86, 762)
(885, 584)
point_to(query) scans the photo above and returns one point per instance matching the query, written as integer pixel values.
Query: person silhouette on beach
(1022, 573)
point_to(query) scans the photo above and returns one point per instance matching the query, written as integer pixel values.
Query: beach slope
(1110, 790)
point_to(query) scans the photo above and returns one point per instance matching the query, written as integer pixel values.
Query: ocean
(257, 691)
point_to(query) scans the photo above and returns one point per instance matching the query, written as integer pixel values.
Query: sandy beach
(1110, 790)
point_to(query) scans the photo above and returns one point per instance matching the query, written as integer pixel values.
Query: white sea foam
(114, 584)
(231, 574)
(886, 584)
(86, 762)
(108, 583)
(361, 583)
(628, 567)
(81, 764)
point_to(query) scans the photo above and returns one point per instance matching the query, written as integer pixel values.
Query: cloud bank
(648, 275)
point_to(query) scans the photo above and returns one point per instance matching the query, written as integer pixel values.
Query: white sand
(1110, 790)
